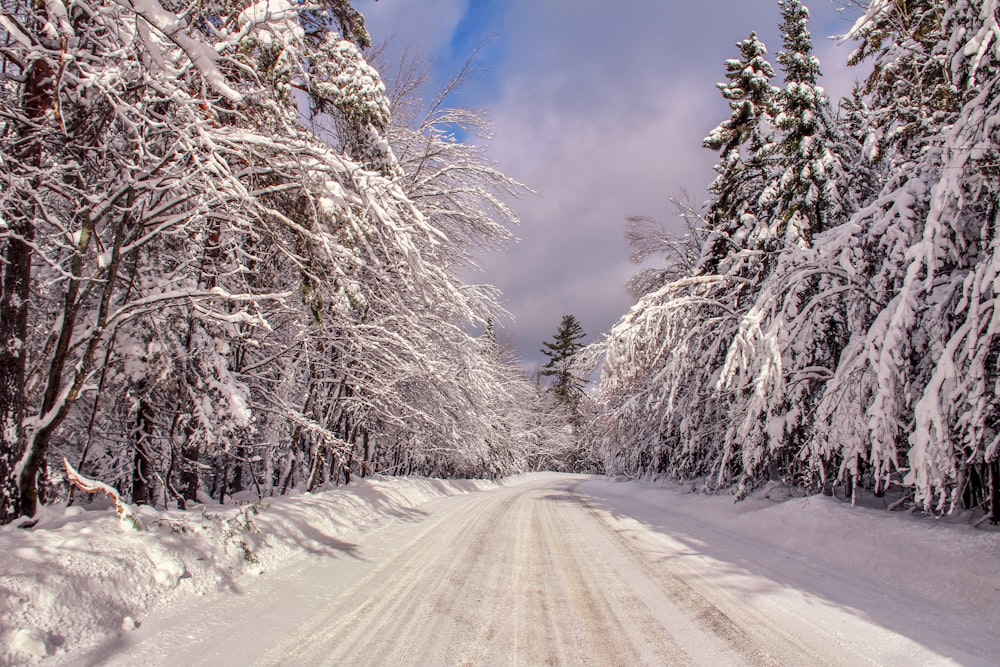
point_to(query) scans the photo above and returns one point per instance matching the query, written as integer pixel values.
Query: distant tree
(565, 385)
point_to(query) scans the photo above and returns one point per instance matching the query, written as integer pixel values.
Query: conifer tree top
(796, 58)
(565, 343)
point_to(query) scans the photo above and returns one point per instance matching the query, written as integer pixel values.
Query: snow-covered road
(558, 570)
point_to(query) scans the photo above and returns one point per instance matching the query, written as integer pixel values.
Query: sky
(600, 108)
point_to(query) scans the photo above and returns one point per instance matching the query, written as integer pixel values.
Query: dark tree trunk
(57, 399)
(190, 462)
(238, 484)
(994, 466)
(15, 290)
(14, 293)
(141, 469)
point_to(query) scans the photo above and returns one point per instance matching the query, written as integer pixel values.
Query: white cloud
(429, 23)
(600, 107)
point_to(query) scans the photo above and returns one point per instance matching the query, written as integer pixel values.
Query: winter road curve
(548, 572)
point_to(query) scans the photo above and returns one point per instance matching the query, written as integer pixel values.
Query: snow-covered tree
(790, 341)
(806, 195)
(232, 301)
(743, 172)
(932, 345)
(865, 352)
(678, 256)
(664, 409)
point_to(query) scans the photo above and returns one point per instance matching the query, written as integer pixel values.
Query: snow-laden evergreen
(663, 376)
(867, 354)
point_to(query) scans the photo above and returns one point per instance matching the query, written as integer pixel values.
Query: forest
(829, 322)
(233, 258)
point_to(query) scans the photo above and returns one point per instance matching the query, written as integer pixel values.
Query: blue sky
(600, 107)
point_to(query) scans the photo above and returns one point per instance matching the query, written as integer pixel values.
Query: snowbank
(80, 576)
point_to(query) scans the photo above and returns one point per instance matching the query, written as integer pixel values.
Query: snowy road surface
(559, 570)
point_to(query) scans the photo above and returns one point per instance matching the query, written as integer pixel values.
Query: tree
(679, 255)
(933, 344)
(743, 172)
(784, 357)
(664, 410)
(866, 351)
(805, 195)
(567, 387)
(206, 293)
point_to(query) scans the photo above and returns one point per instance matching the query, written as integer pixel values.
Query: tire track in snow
(497, 580)
(761, 641)
(533, 574)
(401, 603)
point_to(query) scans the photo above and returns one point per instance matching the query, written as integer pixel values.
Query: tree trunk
(57, 399)
(994, 490)
(190, 462)
(141, 470)
(368, 454)
(15, 291)
(242, 459)
(14, 294)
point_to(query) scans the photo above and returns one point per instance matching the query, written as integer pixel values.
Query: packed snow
(80, 576)
(80, 581)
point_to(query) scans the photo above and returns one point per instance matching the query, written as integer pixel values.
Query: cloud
(592, 171)
(601, 108)
(429, 23)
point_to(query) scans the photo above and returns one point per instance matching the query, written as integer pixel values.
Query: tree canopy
(839, 329)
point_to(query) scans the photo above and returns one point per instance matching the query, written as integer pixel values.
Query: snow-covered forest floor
(80, 580)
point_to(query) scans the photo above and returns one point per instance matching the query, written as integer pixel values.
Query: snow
(930, 580)
(202, 55)
(272, 18)
(896, 582)
(28, 643)
(76, 579)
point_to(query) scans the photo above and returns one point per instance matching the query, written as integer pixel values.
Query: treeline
(227, 268)
(837, 327)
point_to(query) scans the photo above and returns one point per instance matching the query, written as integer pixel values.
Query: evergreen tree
(867, 345)
(805, 194)
(743, 171)
(566, 386)
(805, 200)
(897, 320)
(865, 175)
(660, 382)
(937, 338)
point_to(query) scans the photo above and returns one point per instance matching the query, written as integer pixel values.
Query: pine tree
(567, 387)
(786, 357)
(665, 411)
(896, 318)
(743, 172)
(805, 195)
(865, 176)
